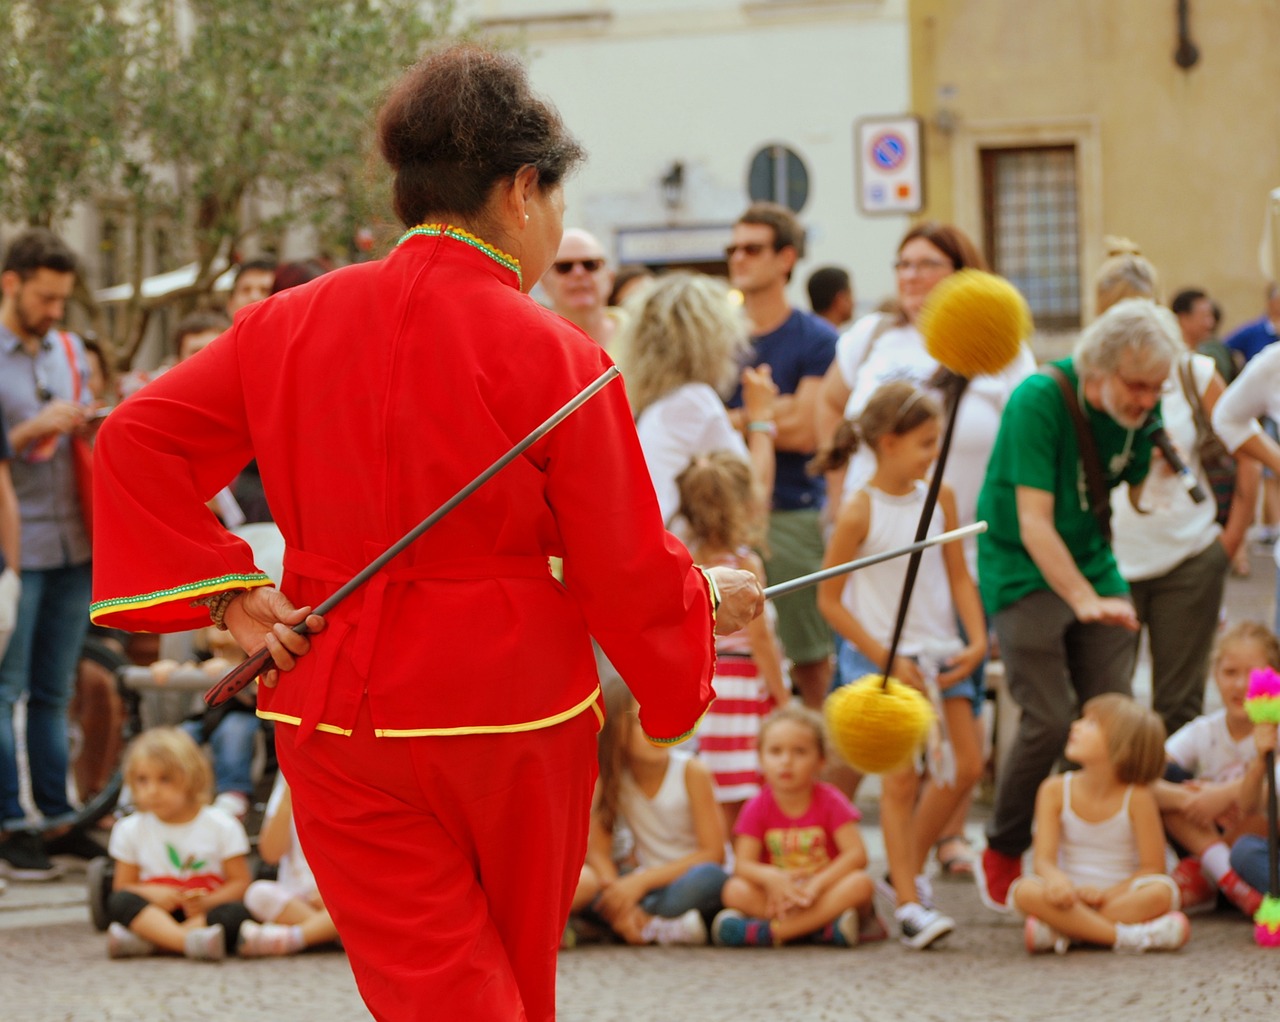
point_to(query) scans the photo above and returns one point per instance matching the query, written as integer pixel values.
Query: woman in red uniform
(440, 738)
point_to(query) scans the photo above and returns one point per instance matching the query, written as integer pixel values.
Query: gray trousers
(1053, 664)
(1180, 612)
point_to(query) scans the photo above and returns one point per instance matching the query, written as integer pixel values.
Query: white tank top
(663, 825)
(1096, 854)
(871, 594)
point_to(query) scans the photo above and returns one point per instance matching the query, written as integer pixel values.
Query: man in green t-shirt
(1061, 610)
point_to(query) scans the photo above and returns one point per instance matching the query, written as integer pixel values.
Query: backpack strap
(1099, 494)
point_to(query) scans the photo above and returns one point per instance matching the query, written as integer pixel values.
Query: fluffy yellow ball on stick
(974, 323)
(875, 727)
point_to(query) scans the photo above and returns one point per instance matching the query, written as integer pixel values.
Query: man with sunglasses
(42, 370)
(766, 243)
(578, 284)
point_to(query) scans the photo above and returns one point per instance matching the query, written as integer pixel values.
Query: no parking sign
(889, 165)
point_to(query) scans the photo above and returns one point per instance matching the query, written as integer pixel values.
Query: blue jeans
(232, 746)
(53, 616)
(699, 888)
(1250, 861)
(852, 664)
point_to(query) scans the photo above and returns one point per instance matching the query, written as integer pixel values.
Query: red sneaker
(1240, 894)
(995, 872)
(1197, 893)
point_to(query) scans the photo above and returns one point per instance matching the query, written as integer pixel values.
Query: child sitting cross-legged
(666, 799)
(1202, 811)
(181, 865)
(288, 913)
(799, 869)
(1099, 848)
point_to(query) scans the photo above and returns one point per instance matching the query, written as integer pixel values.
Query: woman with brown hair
(440, 739)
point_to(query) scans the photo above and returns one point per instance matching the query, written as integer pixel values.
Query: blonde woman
(679, 355)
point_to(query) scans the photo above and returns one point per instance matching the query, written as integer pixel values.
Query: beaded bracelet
(218, 603)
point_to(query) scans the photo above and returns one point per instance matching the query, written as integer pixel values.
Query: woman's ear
(523, 187)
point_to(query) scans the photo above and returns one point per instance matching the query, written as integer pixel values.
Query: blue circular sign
(889, 150)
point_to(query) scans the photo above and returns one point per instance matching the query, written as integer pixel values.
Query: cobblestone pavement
(53, 966)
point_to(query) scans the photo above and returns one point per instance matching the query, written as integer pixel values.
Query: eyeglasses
(1141, 388)
(565, 266)
(43, 394)
(921, 265)
(751, 248)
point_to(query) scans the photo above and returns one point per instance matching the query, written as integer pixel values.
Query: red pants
(448, 864)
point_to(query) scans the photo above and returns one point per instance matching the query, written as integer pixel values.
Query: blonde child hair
(797, 713)
(1135, 737)
(1247, 631)
(175, 751)
(717, 499)
(1125, 273)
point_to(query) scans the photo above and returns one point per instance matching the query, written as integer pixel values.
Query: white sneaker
(266, 940)
(206, 943)
(924, 892)
(920, 927)
(686, 929)
(122, 942)
(1166, 933)
(1041, 937)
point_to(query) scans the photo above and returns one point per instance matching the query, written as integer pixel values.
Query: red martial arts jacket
(369, 397)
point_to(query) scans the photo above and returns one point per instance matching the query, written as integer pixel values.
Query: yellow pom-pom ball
(974, 322)
(874, 728)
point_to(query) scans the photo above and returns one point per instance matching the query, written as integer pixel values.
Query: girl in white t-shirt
(181, 866)
(901, 427)
(1208, 758)
(672, 886)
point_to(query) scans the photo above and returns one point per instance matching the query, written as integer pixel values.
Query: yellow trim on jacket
(476, 729)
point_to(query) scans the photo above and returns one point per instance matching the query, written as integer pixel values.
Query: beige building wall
(1180, 161)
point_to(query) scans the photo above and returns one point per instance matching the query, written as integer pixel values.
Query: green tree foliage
(61, 78)
(223, 118)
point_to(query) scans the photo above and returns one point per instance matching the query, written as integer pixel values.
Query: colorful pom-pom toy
(1262, 702)
(877, 726)
(974, 322)
(1266, 923)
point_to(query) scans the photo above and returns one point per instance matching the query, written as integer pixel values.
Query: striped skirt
(727, 736)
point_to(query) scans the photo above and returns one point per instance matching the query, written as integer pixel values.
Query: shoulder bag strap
(1099, 495)
(1188, 380)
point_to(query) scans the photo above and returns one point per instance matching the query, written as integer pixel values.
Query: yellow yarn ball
(974, 322)
(877, 729)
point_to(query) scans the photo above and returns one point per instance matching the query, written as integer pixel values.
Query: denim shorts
(851, 665)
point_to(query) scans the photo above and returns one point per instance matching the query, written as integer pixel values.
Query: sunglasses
(751, 248)
(565, 266)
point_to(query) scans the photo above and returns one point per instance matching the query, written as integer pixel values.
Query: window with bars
(1031, 228)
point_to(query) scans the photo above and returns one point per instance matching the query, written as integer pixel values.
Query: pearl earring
(526, 218)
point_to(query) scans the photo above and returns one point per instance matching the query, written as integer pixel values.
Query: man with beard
(44, 394)
(1061, 610)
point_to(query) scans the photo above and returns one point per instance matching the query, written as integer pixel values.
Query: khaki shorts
(1146, 880)
(796, 548)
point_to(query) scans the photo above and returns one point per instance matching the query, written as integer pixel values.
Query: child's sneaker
(841, 931)
(886, 892)
(732, 929)
(1042, 937)
(206, 943)
(1196, 892)
(686, 929)
(268, 940)
(996, 872)
(1166, 933)
(1239, 893)
(920, 927)
(122, 942)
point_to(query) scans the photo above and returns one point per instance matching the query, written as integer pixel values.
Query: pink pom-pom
(1264, 683)
(1265, 936)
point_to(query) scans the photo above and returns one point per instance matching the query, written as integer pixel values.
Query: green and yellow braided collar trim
(190, 590)
(467, 238)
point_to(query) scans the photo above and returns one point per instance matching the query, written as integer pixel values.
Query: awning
(164, 283)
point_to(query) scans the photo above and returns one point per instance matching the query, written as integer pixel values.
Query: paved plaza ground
(53, 966)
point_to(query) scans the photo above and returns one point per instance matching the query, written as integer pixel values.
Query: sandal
(955, 856)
